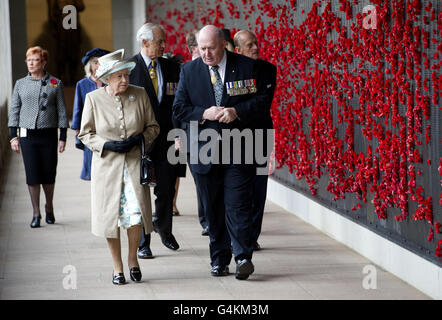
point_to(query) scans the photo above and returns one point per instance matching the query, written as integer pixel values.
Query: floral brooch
(53, 83)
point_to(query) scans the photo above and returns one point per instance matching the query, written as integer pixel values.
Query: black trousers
(259, 201)
(201, 215)
(164, 193)
(226, 192)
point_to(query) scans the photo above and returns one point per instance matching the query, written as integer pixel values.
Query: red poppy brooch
(53, 83)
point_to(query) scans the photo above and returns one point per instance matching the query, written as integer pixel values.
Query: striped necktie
(218, 85)
(153, 75)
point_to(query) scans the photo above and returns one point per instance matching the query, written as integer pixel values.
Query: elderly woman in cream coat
(114, 120)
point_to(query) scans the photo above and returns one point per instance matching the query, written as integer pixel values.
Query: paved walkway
(297, 261)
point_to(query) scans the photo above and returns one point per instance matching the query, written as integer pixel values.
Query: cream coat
(104, 119)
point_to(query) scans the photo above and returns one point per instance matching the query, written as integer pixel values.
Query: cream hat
(112, 63)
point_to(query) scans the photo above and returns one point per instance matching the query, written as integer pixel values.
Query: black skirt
(39, 150)
(180, 170)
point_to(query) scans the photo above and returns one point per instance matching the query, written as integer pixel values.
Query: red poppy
(53, 81)
(437, 227)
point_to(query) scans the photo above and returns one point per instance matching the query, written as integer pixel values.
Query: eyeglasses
(32, 60)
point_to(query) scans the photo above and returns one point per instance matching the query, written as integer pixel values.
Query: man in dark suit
(192, 46)
(247, 44)
(206, 101)
(159, 77)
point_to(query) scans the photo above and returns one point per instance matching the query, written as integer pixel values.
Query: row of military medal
(236, 88)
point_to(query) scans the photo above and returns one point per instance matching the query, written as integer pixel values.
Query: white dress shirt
(147, 60)
(221, 67)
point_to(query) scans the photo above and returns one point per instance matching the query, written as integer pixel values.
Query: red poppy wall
(357, 106)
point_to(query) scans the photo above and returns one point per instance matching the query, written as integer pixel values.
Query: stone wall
(127, 18)
(5, 79)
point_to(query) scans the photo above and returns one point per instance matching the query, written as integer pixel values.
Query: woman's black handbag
(147, 170)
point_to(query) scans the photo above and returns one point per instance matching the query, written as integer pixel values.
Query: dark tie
(217, 85)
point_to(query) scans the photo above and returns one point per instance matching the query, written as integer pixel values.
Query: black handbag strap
(143, 147)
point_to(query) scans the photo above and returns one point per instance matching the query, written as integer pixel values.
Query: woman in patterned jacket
(37, 110)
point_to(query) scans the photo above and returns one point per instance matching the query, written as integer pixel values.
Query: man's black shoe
(219, 271)
(244, 268)
(145, 253)
(170, 242)
(205, 231)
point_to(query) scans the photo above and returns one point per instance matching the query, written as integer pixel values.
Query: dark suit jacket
(267, 85)
(163, 110)
(267, 72)
(195, 94)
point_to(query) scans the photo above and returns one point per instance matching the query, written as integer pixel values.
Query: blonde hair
(87, 69)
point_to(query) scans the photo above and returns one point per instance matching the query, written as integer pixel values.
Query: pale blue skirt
(130, 212)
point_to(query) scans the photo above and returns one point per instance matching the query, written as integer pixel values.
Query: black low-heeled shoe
(118, 279)
(50, 219)
(135, 274)
(35, 222)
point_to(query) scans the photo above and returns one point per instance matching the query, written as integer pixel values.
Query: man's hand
(227, 115)
(212, 112)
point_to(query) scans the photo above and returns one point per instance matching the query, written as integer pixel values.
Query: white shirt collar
(148, 60)
(221, 66)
